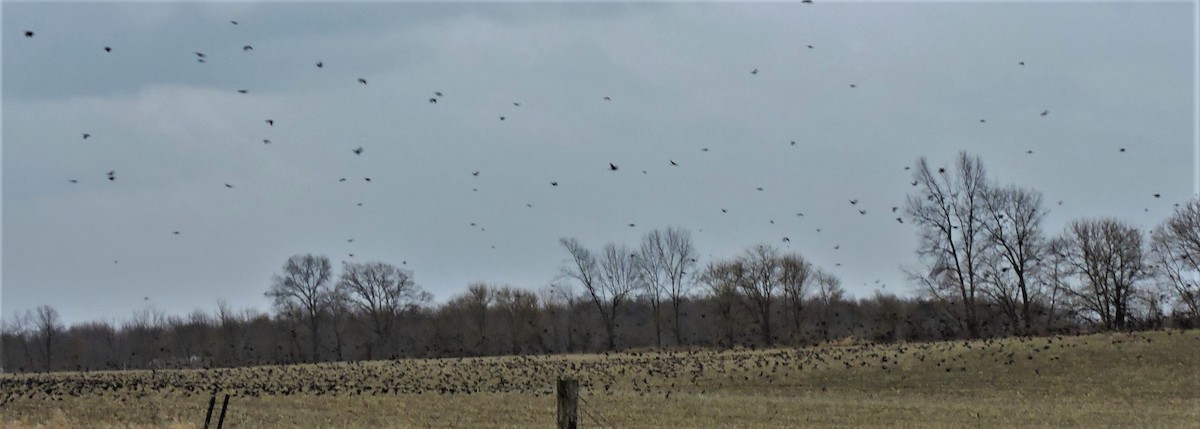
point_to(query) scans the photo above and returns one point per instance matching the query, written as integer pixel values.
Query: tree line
(988, 268)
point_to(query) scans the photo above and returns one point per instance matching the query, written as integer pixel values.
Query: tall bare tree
(666, 259)
(380, 292)
(760, 285)
(1107, 256)
(1175, 249)
(49, 328)
(608, 280)
(304, 289)
(723, 280)
(796, 276)
(949, 210)
(1013, 226)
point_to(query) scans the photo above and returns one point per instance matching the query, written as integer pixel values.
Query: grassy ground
(1113, 380)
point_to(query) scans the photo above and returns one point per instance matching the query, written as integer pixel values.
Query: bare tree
(723, 280)
(949, 210)
(519, 309)
(608, 281)
(1175, 248)
(796, 276)
(829, 295)
(380, 292)
(665, 259)
(1107, 257)
(763, 275)
(304, 289)
(1013, 226)
(651, 263)
(48, 328)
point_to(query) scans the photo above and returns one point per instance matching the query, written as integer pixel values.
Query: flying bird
(432, 101)
(1045, 112)
(862, 212)
(612, 166)
(982, 121)
(1122, 149)
(73, 181)
(200, 54)
(606, 98)
(86, 135)
(367, 179)
(176, 232)
(271, 122)
(28, 34)
(516, 103)
(228, 186)
(342, 179)
(108, 49)
(362, 81)
(1021, 63)
(437, 93)
(900, 220)
(941, 169)
(755, 71)
(112, 175)
(475, 173)
(759, 188)
(320, 64)
(266, 141)
(553, 183)
(357, 150)
(786, 240)
(501, 118)
(247, 48)
(810, 47)
(853, 202)
(233, 22)
(673, 163)
(853, 86)
(1157, 195)
(243, 91)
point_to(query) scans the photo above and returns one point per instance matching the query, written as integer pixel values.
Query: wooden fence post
(224, 405)
(568, 404)
(208, 416)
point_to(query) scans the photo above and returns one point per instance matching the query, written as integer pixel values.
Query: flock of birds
(856, 206)
(1014, 362)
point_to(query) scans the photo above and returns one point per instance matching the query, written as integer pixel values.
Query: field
(1143, 380)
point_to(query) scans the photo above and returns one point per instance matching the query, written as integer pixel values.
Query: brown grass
(1109, 380)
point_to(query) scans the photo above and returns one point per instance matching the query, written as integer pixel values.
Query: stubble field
(1149, 379)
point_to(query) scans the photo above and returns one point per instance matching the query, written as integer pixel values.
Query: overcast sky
(175, 131)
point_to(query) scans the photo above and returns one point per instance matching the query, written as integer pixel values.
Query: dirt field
(1114, 380)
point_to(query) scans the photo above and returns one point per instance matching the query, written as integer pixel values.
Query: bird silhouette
(108, 49)
(200, 54)
(367, 179)
(862, 212)
(28, 34)
(233, 22)
(517, 104)
(1122, 149)
(357, 150)
(437, 93)
(810, 46)
(755, 71)
(243, 91)
(606, 98)
(1021, 63)
(320, 64)
(1157, 195)
(612, 167)
(432, 101)
(266, 141)
(112, 175)
(228, 186)
(271, 122)
(759, 188)
(1045, 112)
(853, 202)
(501, 118)
(673, 163)
(73, 181)
(247, 48)
(983, 121)
(362, 81)
(553, 183)
(86, 135)
(176, 232)
(853, 86)
(475, 173)
(342, 179)
(786, 240)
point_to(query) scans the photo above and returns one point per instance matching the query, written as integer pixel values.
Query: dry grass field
(1142, 380)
